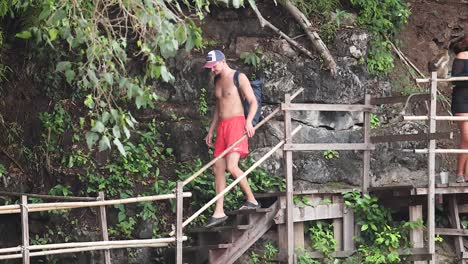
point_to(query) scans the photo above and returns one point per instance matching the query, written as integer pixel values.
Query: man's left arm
(250, 97)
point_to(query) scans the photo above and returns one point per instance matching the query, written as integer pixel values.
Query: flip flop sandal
(248, 205)
(213, 221)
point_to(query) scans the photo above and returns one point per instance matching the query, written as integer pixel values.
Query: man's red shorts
(229, 131)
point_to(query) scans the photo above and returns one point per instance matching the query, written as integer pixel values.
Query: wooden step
(218, 229)
(249, 211)
(208, 247)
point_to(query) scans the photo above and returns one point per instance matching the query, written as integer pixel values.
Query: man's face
(218, 67)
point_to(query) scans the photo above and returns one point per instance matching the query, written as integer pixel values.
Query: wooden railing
(432, 150)
(27, 251)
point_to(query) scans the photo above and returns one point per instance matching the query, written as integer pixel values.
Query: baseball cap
(213, 57)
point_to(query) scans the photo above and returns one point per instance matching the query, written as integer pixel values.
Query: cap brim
(210, 64)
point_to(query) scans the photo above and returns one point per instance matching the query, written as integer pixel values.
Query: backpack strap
(236, 82)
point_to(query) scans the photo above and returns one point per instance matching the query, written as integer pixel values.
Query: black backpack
(257, 89)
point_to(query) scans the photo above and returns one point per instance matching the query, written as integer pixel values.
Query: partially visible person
(460, 103)
(231, 125)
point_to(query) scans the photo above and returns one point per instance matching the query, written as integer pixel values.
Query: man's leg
(219, 169)
(232, 163)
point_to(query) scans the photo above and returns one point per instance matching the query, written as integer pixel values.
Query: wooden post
(25, 228)
(338, 226)
(366, 155)
(431, 171)
(455, 222)
(348, 229)
(416, 234)
(179, 214)
(288, 167)
(105, 234)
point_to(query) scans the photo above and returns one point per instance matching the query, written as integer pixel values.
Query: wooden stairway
(225, 244)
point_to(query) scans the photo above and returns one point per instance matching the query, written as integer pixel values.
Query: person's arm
(249, 95)
(209, 137)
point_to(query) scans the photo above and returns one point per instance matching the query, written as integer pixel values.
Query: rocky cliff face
(284, 71)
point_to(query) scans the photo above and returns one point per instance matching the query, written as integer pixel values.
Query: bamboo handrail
(82, 249)
(438, 151)
(439, 118)
(10, 209)
(450, 79)
(94, 243)
(209, 164)
(52, 197)
(227, 189)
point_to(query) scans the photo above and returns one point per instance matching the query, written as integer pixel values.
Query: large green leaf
(119, 146)
(91, 139)
(104, 143)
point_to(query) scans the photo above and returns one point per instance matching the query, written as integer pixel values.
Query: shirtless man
(232, 124)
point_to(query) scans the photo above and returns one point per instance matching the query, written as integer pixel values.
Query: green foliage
(321, 235)
(318, 7)
(382, 18)
(380, 237)
(374, 121)
(331, 154)
(101, 48)
(304, 258)
(270, 252)
(2, 170)
(251, 58)
(203, 105)
(60, 190)
(405, 85)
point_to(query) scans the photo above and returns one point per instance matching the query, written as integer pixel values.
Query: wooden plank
(431, 171)
(463, 208)
(451, 232)
(311, 213)
(348, 229)
(399, 99)
(289, 183)
(410, 137)
(179, 220)
(416, 234)
(25, 229)
(447, 190)
(338, 225)
(455, 222)
(329, 146)
(105, 234)
(299, 235)
(327, 107)
(366, 155)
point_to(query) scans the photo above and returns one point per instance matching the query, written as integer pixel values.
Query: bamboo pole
(227, 189)
(25, 229)
(220, 156)
(366, 155)
(451, 79)
(288, 169)
(95, 243)
(431, 171)
(103, 220)
(437, 118)
(9, 209)
(51, 197)
(179, 219)
(82, 249)
(438, 151)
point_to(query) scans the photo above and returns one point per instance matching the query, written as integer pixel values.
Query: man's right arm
(209, 137)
